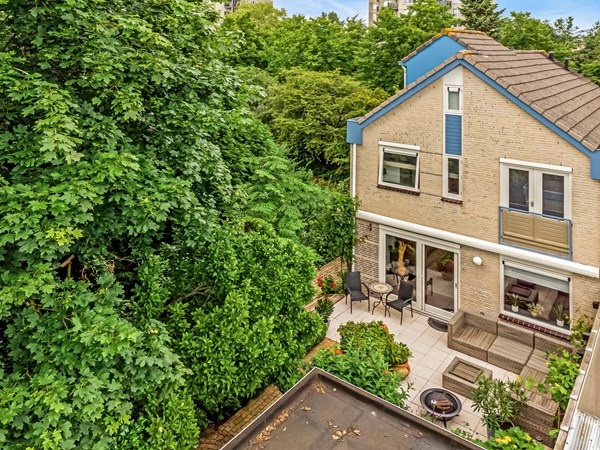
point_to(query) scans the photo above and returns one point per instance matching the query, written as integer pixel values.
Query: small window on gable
(399, 167)
(454, 100)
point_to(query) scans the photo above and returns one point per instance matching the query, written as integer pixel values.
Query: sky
(585, 12)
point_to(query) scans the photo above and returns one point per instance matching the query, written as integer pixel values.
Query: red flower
(339, 351)
(333, 285)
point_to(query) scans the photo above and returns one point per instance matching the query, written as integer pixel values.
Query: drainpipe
(353, 171)
(353, 185)
(401, 64)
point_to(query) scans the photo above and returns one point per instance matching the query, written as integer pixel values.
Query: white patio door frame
(421, 241)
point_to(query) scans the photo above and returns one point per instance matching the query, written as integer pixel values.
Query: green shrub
(291, 374)
(324, 308)
(513, 438)
(367, 370)
(374, 337)
(563, 369)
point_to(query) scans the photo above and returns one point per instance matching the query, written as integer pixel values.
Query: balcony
(539, 232)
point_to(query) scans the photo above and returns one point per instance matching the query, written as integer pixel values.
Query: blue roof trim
(432, 56)
(357, 128)
(354, 134)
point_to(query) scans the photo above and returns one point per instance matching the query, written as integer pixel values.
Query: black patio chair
(404, 291)
(354, 290)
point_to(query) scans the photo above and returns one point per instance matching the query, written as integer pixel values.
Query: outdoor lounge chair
(404, 291)
(354, 290)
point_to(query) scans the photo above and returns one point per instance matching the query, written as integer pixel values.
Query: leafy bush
(513, 438)
(248, 322)
(291, 374)
(367, 370)
(80, 375)
(498, 400)
(562, 373)
(374, 337)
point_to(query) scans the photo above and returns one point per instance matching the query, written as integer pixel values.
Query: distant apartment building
(231, 5)
(401, 6)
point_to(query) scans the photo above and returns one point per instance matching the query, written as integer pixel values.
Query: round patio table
(380, 289)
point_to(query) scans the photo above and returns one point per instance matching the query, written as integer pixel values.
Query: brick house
(478, 182)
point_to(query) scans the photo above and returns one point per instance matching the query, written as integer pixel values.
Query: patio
(430, 358)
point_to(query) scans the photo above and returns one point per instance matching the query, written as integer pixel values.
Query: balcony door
(537, 190)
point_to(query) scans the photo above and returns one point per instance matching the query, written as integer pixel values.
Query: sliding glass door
(440, 280)
(430, 266)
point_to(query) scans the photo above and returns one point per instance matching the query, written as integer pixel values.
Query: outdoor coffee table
(461, 376)
(440, 404)
(380, 289)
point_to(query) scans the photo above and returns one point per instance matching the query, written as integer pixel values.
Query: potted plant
(535, 309)
(514, 300)
(401, 354)
(446, 266)
(499, 401)
(324, 308)
(560, 312)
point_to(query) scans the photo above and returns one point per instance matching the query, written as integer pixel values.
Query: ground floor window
(537, 295)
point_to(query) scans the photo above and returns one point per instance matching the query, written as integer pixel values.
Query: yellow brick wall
(493, 128)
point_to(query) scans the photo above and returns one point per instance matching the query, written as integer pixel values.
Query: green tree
(322, 44)
(394, 37)
(481, 15)
(127, 156)
(308, 111)
(587, 56)
(523, 32)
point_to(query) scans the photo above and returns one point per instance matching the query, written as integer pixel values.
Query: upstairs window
(399, 167)
(454, 100)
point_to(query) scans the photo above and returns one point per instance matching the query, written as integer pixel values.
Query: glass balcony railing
(539, 232)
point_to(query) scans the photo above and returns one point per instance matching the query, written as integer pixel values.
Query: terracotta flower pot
(402, 368)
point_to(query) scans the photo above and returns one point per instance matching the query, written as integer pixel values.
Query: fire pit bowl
(441, 404)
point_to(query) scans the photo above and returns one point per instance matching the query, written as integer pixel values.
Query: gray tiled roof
(562, 96)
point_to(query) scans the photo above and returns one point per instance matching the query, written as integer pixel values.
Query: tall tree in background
(308, 111)
(481, 15)
(394, 37)
(523, 32)
(587, 55)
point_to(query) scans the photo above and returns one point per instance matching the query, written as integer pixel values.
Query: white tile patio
(430, 358)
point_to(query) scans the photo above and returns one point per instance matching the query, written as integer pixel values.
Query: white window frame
(447, 194)
(537, 170)
(453, 88)
(399, 149)
(566, 277)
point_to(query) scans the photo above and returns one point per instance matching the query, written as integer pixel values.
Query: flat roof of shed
(323, 412)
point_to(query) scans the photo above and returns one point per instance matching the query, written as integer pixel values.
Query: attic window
(453, 98)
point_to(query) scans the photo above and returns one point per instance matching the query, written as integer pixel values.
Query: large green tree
(394, 37)
(128, 170)
(308, 110)
(481, 15)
